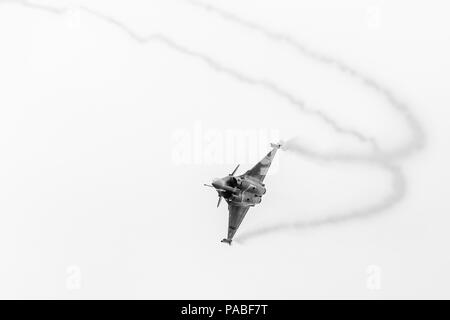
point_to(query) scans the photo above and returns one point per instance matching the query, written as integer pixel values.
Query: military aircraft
(244, 191)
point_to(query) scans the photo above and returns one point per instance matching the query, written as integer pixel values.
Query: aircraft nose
(216, 183)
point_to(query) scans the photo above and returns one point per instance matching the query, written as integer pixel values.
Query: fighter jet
(242, 192)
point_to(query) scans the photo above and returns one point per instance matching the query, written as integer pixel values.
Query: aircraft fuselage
(241, 190)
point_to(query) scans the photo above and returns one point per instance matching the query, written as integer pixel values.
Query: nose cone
(217, 183)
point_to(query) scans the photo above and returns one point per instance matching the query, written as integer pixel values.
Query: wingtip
(277, 145)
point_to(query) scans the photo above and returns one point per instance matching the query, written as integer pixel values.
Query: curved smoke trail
(398, 191)
(380, 158)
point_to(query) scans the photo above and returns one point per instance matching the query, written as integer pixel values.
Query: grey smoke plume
(397, 192)
(378, 157)
(235, 74)
(214, 64)
(417, 138)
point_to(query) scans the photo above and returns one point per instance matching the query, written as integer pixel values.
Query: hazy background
(114, 113)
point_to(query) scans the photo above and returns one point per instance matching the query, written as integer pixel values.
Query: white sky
(96, 202)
